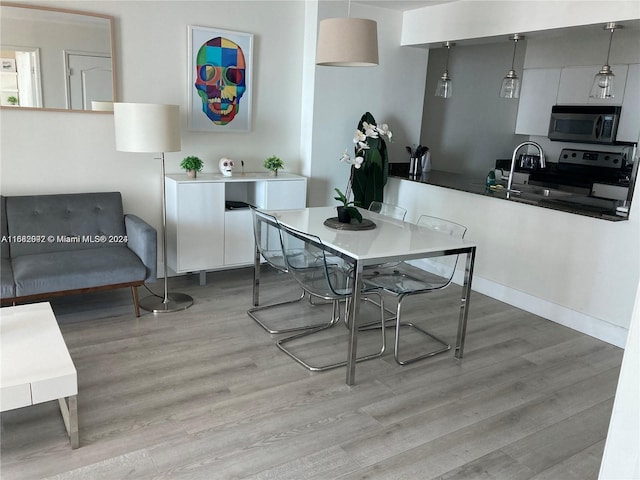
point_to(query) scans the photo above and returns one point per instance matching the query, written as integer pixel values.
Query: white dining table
(390, 240)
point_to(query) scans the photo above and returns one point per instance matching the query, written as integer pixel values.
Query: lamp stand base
(176, 302)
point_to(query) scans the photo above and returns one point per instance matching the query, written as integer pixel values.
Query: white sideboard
(204, 235)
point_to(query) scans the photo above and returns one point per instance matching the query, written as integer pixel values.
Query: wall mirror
(55, 59)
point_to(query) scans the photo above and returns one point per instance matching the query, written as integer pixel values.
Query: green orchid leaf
(354, 213)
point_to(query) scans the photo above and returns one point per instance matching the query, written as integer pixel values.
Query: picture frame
(8, 65)
(220, 88)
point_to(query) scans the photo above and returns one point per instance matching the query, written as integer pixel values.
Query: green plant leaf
(354, 213)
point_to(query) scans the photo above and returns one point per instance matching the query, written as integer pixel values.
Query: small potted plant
(274, 164)
(12, 100)
(346, 211)
(192, 165)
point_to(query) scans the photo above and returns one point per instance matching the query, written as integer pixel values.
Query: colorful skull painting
(220, 79)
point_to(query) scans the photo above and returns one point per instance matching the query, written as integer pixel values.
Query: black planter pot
(343, 215)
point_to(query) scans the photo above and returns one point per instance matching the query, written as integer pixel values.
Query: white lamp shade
(147, 127)
(347, 42)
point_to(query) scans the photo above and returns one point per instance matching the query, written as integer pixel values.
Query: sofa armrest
(142, 239)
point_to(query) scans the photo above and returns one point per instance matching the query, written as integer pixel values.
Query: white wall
(302, 113)
(54, 152)
(621, 458)
(392, 92)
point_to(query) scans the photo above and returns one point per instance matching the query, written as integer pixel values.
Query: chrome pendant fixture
(444, 88)
(604, 81)
(511, 83)
(347, 42)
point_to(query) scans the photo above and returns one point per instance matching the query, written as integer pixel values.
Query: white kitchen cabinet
(537, 95)
(203, 235)
(629, 127)
(575, 85)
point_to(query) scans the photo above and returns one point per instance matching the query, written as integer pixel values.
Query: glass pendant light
(511, 83)
(603, 82)
(444, 88)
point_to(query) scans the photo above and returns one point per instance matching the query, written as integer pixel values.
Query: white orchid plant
(370, 151)
(362, 144)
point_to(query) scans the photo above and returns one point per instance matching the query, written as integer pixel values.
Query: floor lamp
(151, 128)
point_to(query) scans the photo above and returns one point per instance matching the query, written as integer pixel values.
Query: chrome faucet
(513, 163)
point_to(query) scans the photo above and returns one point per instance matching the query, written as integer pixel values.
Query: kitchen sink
(530, 193)
(526, 190)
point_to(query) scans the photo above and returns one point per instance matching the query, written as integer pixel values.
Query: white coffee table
(35, 364)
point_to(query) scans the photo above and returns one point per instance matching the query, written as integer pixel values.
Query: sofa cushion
(7, 287)
(4, 231)
(70, 270)
(56, 223)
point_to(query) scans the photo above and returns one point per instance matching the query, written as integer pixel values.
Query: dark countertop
(564, 202)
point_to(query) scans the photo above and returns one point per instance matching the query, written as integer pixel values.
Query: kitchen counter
(538, 196)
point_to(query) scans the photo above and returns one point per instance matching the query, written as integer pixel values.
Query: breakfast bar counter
(535, 195)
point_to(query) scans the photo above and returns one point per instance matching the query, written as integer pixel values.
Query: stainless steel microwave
(584, 123)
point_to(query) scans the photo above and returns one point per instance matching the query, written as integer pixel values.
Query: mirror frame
(111, 21)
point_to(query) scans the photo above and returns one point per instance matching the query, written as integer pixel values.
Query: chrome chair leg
(322, 368)
(399, 325)
(253, 311)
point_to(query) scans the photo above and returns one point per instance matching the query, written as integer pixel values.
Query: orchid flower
(370, 130)
(384, 130)
(363, 146)
(359, 137)
(357, 162)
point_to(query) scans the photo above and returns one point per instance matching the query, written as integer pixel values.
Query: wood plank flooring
(205, 394)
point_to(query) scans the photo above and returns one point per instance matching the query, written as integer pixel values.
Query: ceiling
(402, 5)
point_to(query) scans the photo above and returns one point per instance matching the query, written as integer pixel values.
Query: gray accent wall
(469, 131)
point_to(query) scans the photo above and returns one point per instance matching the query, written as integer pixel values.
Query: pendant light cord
(446, 63)
(613, 29)
(513, 59)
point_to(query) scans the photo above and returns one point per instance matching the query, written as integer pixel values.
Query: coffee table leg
(70, 417)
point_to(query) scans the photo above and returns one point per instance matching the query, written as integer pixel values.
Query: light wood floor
(205, 394)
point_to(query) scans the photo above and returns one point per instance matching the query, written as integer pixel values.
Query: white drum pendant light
(603, 82)
(347, 42)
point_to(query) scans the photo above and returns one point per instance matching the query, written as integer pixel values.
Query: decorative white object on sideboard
(202, 235)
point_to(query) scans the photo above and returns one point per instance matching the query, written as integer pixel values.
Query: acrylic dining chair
(268, 240)
(330, 278)
(417, 277)
(388, 210)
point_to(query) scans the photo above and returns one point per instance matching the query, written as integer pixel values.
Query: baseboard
(594, 327)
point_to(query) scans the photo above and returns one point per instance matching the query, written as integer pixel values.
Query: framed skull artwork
(220, 86)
